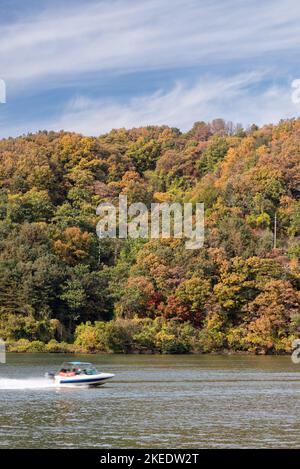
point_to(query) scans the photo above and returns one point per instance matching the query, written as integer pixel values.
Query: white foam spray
(28, 383)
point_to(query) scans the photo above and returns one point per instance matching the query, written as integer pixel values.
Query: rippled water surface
(153, 402)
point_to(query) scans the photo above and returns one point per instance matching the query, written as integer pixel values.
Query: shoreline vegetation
(158, 336)
(62, 289)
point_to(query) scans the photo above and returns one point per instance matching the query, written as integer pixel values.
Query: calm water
(153, 402)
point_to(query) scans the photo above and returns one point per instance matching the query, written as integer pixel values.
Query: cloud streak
(130, 35)
(179, 107)
(207, 48)
(237, 98)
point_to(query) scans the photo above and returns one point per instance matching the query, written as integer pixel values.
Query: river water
(153, 402)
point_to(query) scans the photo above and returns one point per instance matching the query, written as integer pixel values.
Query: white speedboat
(79, 374)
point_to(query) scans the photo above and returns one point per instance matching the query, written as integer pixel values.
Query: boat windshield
(78, 369)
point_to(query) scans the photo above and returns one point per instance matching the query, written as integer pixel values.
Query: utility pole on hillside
(275, 232)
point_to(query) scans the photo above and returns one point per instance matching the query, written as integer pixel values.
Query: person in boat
(67, 372)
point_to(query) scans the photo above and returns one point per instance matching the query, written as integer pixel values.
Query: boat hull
(82, 381)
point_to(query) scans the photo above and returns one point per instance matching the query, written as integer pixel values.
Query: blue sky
(95, 65)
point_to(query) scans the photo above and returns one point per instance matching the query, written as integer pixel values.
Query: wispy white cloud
(216, 38)
(124, 35)
(237, 98)
(180, 106)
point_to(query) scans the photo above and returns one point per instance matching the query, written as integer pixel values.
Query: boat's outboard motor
(49, 375)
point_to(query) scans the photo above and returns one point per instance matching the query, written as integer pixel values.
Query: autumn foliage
(59, 284)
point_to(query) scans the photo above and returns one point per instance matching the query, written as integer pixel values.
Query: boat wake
(28, 383)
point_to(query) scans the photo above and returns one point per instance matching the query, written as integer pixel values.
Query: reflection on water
(153, 402)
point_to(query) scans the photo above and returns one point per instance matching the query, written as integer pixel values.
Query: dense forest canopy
(60, 284)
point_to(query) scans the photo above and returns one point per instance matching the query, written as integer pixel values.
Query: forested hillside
(63, 287)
